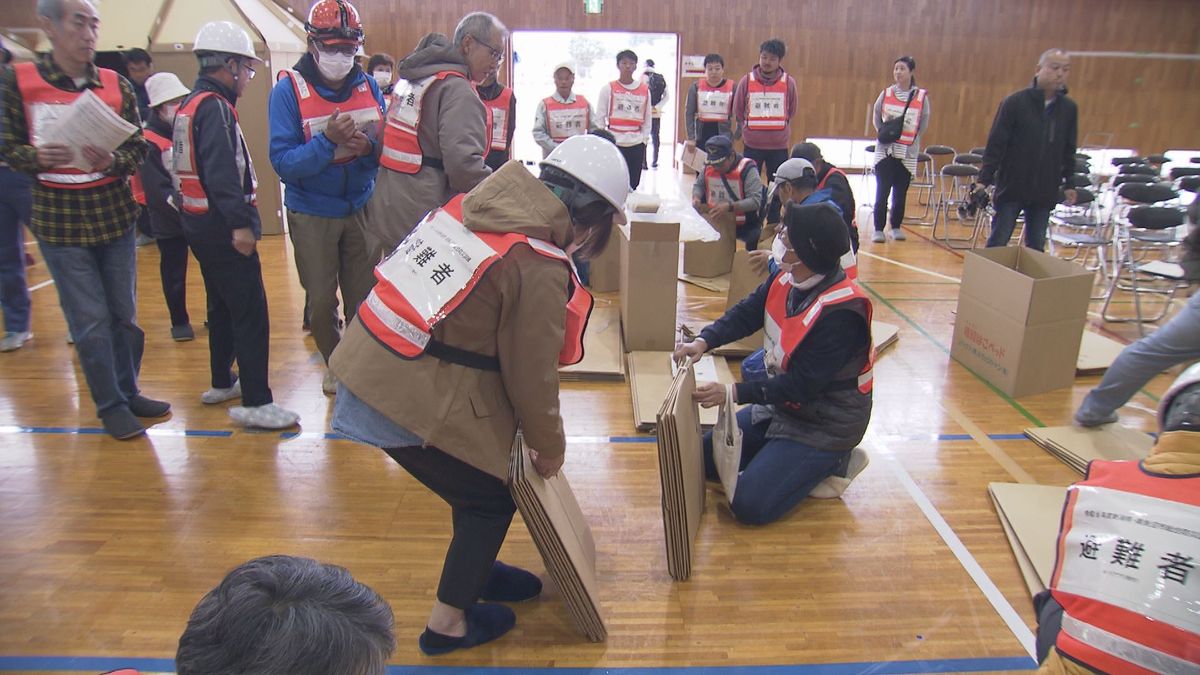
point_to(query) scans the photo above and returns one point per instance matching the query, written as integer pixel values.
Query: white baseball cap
(565, 64)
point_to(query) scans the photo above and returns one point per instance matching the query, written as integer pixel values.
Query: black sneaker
(147, 407)
(183, 333)
(121, 424)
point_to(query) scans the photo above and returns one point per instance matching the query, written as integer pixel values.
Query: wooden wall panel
(970, 53)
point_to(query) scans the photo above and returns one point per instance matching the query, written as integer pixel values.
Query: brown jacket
(516, 313)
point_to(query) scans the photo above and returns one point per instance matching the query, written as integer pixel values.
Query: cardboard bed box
(1020, 318)
(712, 258)
(649, 265)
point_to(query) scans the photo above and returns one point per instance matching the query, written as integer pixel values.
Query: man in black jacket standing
(1031, 152)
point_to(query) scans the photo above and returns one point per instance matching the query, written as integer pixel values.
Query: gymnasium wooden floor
(106, 546)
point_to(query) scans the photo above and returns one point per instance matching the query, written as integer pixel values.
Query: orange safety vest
(187, 172)
(782, 334)
(164, 148)
(1126, 571)
(627, 107)
(401, 146)
(564, 120)
(44, 103)
(497, 119)
(315, 111)
(436, 268)
(849, 260)
(893, 107)
(714, 104)
(767, 104)
(715, 182)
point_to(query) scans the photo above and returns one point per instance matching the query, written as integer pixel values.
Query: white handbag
(727, 444)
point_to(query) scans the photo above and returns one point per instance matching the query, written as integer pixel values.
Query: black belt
(433, 163)
(462, 357)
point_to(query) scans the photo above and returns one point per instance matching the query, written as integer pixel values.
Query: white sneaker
(834, 486)
(214, 396)
(329, 384)
(898, 234)
(878, 237)
(269, 416)
(14, 341)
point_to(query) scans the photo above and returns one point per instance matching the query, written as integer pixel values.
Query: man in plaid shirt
(83, 218)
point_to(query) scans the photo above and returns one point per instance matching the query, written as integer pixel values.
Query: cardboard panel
(603, 358)
(1030, 515)
(1096, 354)
(711, 259)
(649, 261)
(1077, 446)
(605, 270)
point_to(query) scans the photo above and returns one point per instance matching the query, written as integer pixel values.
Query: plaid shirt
(85, 217)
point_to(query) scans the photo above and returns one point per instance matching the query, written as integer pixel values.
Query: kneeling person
(807, 416)
(731, 184)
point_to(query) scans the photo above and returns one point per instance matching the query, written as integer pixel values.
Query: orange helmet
(334, 22)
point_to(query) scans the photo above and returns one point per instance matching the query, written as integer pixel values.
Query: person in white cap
(217, 196)
(442, 389)
(153, 188)
(562, 114)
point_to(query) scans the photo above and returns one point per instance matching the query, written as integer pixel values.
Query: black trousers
(705, 131)
(655, 140)
(635, 156)
(891, 176)
(238, 326)
(172, 267)
(481, 509)
(768, 161)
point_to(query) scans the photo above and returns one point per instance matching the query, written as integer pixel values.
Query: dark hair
(714, 58)
(137, 55)
(649, 63)
(911, 63)
(380, 59)
(283, 615)
(587, 209)
(5, 55)
(626, 54)
(773, 46)
(605, 134)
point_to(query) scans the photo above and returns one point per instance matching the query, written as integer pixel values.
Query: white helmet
(163, 87)
(226, 37)
(597, 164)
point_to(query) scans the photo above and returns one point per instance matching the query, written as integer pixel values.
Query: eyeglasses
(497, 55)
(249, 68)
(344, 50)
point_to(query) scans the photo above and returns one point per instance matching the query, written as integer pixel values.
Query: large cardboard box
(691, 159)
(710, 259)
(1020, 318)
(605, 269)
(649, 264)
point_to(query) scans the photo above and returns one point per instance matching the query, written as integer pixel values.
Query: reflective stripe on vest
(497, 122)
(1127, 572)
(401, 146)
(893, 107)
(164, 148)
(767, 104)
(315, 111)
(714, 104)
(715, 186)
(186, 173)
(44, 103)
(783, 334)
(436, 268)
(627, 107)
(564, 120)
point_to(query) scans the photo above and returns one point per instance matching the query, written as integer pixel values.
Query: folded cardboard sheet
(1096, 354)
(650, 378)
(603, 358)
(1030, 517)
(1077, 446)
(681, 469)
(717, 284)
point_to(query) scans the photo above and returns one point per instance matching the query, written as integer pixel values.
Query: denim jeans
(1176, 342)
(97, 293)
(777, 473)
(15, 206)
(1037, 218)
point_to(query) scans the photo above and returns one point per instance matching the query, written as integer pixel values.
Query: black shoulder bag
(890, 131)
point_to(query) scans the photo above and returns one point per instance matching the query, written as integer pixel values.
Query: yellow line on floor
(989, 446)
(906, 266)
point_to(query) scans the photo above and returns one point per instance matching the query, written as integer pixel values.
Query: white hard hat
(226, 37)
(163, 87)
(596, 163)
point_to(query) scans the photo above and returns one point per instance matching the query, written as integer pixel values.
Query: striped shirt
(65, 217)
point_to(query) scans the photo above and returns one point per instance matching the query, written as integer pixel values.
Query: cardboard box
(605, 269)
(1020, 318)
(687, 159)
(712, 258)
(649, 264)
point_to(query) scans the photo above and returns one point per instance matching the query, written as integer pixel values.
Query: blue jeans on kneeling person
(776, 473)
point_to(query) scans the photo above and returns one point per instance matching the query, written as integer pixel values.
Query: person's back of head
(588, 174)
(1179, 409)
(283, 615)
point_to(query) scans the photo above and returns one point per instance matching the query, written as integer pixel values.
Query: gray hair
(283, 615)
(1051, 52)
(479, 25)
(53, 9)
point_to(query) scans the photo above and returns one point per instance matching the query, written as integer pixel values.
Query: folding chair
(1145, 238)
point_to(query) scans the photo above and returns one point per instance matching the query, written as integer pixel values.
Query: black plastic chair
(1142, 169)
(1178, 172)
(1121, 161)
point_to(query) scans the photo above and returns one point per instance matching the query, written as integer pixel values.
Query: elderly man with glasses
(435, 138)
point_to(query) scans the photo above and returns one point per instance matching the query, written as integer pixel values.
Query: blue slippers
(510, 584)
(485, 622)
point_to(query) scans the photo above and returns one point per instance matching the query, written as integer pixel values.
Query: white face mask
(778, 250)
(382, 77)
(334, 65)
(807, 283)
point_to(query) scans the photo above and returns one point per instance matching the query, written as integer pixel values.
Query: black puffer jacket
(1031, 148)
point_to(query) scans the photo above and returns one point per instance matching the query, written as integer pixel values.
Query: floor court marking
(906, 266)
(1007, 614)
(38, 287)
